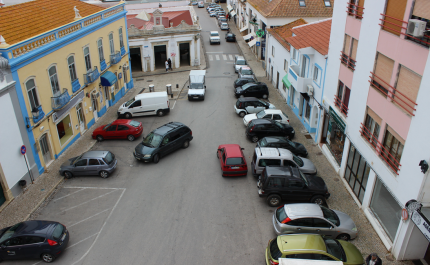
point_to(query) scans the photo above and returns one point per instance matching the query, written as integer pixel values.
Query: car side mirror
(242, 149)
(331, 227)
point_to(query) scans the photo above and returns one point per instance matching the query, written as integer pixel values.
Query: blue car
(36, 239)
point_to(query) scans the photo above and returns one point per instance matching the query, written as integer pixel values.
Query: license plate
(235, 167)
(137, 158)
(196, 97)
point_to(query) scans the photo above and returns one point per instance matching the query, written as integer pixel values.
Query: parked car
(101, 163)
(210, 10)
(230, 37)
(194, 3)
(248, 105)
(242, 81)
(214, 37)
(239, 61)
(268, 156)
(119, 129)
(282, 142)
(201, 5)
(260, 128)
(163, 141)
(271, 114)
(224, 26)
(232, 160)
(221, 20)
(212, 14)
(312, 247)
(220, 13)
(278, 184)
(245, 72)
(155, 103)
(34, 239)
(314, 219)
(258, 90)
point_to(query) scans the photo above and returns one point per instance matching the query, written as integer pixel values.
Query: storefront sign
(422, 223)
(340, 124)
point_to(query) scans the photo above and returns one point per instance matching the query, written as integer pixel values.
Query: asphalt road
(181, 210)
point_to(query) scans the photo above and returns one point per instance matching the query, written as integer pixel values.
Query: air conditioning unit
(416, 27)
(310, 90)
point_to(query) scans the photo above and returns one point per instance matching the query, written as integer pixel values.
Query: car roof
(248, 99)
(121, 121)
(162, 130)
(91, 154)
(261, 121)
(232, 150)
(272, 111)
(274, 152)
(287, 243)
(298, 210)
(34, 227)
(276, 139)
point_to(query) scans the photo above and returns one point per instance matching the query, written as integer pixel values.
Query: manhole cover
(336, 179)
(226, 73)
(308, 136)
(149, 80)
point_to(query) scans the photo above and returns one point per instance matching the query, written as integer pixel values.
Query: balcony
(115, 58)
(298, 82)
(122, 51)
(339, 104)
(60, 101)
(397, 97)
(347, 61)
(37, 118)
(91, 76)
(75, 85)
(381, 151)
(354, 10)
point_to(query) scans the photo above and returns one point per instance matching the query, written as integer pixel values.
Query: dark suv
(258, 90)
(260, 128)
(282, 142)
(290, 184)
(163, 141)
(242, 81)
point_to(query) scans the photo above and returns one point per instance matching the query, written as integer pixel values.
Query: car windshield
(246, 86)
(9, 233)
(274, 249)
(128, 103)
(303, 177)
(196, 86)
(330, 215)
(298, 160)
(241, 62)
(263, 142)
(152, 140)
(135, 123)
(281, 215)
(58, 231)
(264, 103)
(261, 114)
(234, 161)
(214, 34)
(109, 158)
(246, 71)
(77, 159)
(104, 128)
(334, 248)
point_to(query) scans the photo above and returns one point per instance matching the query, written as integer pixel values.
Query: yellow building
(70, 61)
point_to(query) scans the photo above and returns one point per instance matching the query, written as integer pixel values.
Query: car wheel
(186, 144)
(345, 237)
(127, 115)
(130, 138)
(48, 258)
(160, 113)
(156, 158)
(254, 139)
(104, 174)
(274, 200)
(99, 138)
(318, 200)
(68, 175)
(265, 96)
(242, 114)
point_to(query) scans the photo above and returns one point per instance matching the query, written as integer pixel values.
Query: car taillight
(273, 262)
(286, 220)
(250, 130)
(52, 242)
(288, 120)
(168, 104)
(191, 133)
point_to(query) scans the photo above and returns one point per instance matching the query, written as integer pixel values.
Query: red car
(119, 129)
(232, 160)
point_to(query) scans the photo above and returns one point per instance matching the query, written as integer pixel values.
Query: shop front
(335, 135)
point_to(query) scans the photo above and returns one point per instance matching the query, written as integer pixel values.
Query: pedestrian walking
(229, 17)
(167, 65)
(373, 259)
(170, 64)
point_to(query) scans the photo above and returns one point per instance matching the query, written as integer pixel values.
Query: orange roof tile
(171, 15)
(283, 32)
(315, 35)
(22, 21)
(291, 8)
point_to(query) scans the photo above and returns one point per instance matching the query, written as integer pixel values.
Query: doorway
(271, 73)
(106, 90)
(44, 147)
(305, 63)
(81, 118)
(277, 80)
(136, 60)
(326, 119)
(160, 56)
(184, 54)
(94, 105)
(292, 94)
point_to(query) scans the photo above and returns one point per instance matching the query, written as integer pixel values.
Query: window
(306, 222)
(117, 82)
(349, 54)
(295, 184)
(122, 128)
(393, 150)
(72, 68)
(275, 183)
(294, 51)
(27, 240)
(137, 103)
(317, 75)
(81, 163)
(64, 129)
(54, 81)
(111, 44)
(302, 3)
(121, 41)
(394, 13)
(355, 7)
(342, 98)
(321, 223)
(372, 130)
(87, 58)
(111, 128)
(308, 110)
(407, 86)
(285, 65)
(357, 173)
(93, 162)
(269, 162)
(100, 48)
(32, 94)
(327, 3)
(273, 51)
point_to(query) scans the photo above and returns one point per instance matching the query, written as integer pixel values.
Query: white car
(214, 37)
(212, 14)
(224, 26)
(272, 114)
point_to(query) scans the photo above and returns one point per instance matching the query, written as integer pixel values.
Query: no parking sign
(23, 149)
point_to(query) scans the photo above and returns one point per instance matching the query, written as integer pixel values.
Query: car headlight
(292, 131)
(354, 229)
(147, 156)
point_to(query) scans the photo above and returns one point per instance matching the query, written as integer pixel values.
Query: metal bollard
(169, 90)
(151, 88)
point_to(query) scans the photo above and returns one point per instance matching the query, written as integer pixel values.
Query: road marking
(217, 57)
(82, 240)
(211, 58)
(88, 218)
(174, 104)
(89, 200)
(224, 57)
(230, 57)
(69, 195)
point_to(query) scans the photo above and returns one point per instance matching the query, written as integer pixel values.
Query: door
(81, 118)
(93, 167)
(44, 147)
(277, 80)
(31, 247)
(136, 108)
(221, 157)
(94, 105)
(251, 107)
(165, 146)
(271, 73)
(277, 117)
(106, 90)
(80, 167)
(323, 227)
(259, 106)
(304, 66)
(110, 132)
(11, 249)
(302, 225)
(123, 131)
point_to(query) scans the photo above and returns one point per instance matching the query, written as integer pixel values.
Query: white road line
(174, 105)
(224, 57)
(96, 188)
(230, 57)
(88, 218)
(217, 57)
(68, 195)
(89, 201)
(82, 240)
(211, 58)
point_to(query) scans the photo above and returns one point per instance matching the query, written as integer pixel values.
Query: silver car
(100, 163)
(313, 219)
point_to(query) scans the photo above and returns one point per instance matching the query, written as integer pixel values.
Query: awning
(247, 37)
(286, 81)
(108, 79)
(229, 8)
(252, 43)
(244, 28)
(233, 13)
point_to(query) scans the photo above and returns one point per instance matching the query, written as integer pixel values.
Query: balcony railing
(399, 98)
(342, 107)
(398, 27)
(91, 76)
(383, 152)
(355, 10)
(115, 58)
(36, 119)
(60, 101)
(347, 60)
(297, 81)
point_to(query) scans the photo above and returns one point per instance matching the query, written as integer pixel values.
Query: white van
(145, 104)
(197, 87)
(201, 4)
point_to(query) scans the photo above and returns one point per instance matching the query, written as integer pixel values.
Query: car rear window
(9, 233)
(263, 142)
(134, 123)
(298, 161)
(234, 161)
(334, 248)
(247, 72)
(109, 158)
(58, 231)
(241, 62)
(274, 249)
(281, 215)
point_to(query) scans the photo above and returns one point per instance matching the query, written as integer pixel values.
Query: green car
(313, 247)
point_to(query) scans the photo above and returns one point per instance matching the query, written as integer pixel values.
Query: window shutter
(422, 9)
(383, 69)
(354, 49)
(408, 83)
(346, 44)
(395, 9)
(360, 3)
(396, 135)
(374, 116)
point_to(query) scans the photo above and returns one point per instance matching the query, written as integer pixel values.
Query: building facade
(68, 71)
(376, 114)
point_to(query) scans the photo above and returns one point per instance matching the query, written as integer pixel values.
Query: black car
(163, 141)
(282, 142)
(36, 239)
(260, 128)
(230, 37)
(258, 90)
(290, 184)
(242, 81)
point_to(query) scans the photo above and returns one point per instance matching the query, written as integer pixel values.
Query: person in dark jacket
(170, 64)
(373, 259)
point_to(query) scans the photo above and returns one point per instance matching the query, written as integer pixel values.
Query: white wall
(277, 61)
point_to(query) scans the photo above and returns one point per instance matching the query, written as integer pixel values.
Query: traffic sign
(23, 149)
(257, 43)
